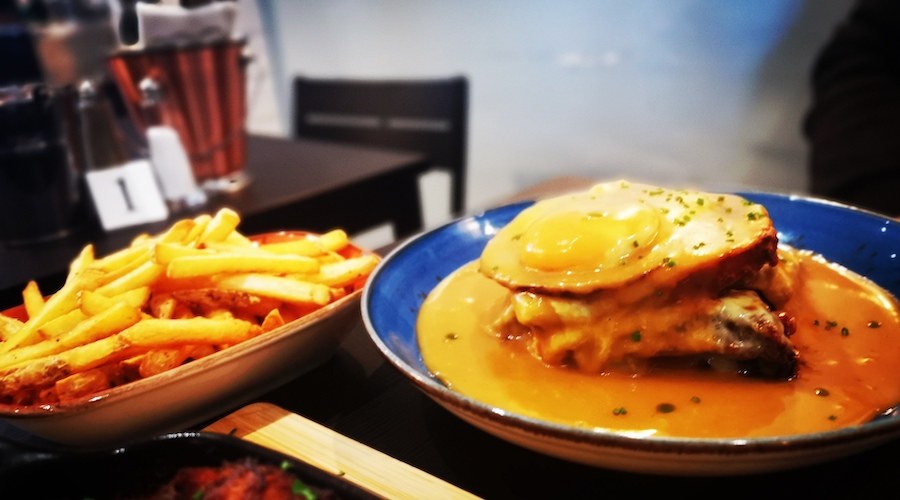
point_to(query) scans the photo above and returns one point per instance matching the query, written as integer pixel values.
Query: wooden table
(295, 184)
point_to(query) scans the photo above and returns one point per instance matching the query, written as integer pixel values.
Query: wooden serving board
(276, 428)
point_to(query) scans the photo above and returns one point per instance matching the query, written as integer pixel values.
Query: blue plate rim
(874, 430)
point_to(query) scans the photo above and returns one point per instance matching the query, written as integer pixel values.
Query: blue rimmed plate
(864, 242)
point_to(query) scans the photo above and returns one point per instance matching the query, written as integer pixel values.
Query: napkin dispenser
(167, 154)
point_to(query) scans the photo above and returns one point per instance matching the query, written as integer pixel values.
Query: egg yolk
(579, 239)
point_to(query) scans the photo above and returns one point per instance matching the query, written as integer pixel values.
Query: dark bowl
(140, 468)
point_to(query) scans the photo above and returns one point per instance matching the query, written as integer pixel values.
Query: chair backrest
(427, 116)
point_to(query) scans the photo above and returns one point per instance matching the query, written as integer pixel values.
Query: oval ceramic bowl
(864, 242)
(140, 468)
(197, 391)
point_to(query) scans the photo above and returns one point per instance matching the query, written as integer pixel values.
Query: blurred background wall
(680, 92)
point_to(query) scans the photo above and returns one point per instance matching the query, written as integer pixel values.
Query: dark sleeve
(853, 126)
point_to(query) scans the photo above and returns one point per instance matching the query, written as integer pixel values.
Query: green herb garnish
(300, 489)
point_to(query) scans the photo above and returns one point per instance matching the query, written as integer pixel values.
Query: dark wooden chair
(427, 116)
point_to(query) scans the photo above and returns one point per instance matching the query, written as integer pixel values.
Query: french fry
(84, 259)
(334, 240)
(63, 301)
(237, 239)
(110, 321)
(142, 336)
(178, 232)
(163, 306)
(207, 265)
(113, 274)
(276, 287)
(272, 320)
(220, 226)
(80, 277)
(9, 326)
(218, 313)
(86, 382)
(345, 272)
(142, 276)
(142, 239)
(32, 299)
(200, 223)
(164, 253)
(160, 360)
(125, 257)
(64, 323)
(232, 247)
(93, 303)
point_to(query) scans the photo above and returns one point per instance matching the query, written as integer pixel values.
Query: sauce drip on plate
(848, 336)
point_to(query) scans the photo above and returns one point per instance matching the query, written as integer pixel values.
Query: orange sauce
(848, 336)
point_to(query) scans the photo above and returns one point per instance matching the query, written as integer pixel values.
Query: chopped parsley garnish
(695, 399)
(845, 331)
(700, 245)
(634, 244)
(636, 336)
(832, 417)
(620, 411)
(451, 336)
(830, 324)
(198, 495)
(754, 215)
(669, 262)
(700, 201)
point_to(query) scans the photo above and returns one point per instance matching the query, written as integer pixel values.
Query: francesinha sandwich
(628, 275)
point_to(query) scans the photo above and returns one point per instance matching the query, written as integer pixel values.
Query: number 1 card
(127, 195)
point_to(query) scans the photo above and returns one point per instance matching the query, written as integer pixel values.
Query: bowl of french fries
(175, 329)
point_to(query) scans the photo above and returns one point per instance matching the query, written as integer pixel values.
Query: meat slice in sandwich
(626, 272)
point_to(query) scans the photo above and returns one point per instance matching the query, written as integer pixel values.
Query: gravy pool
(848, 337)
